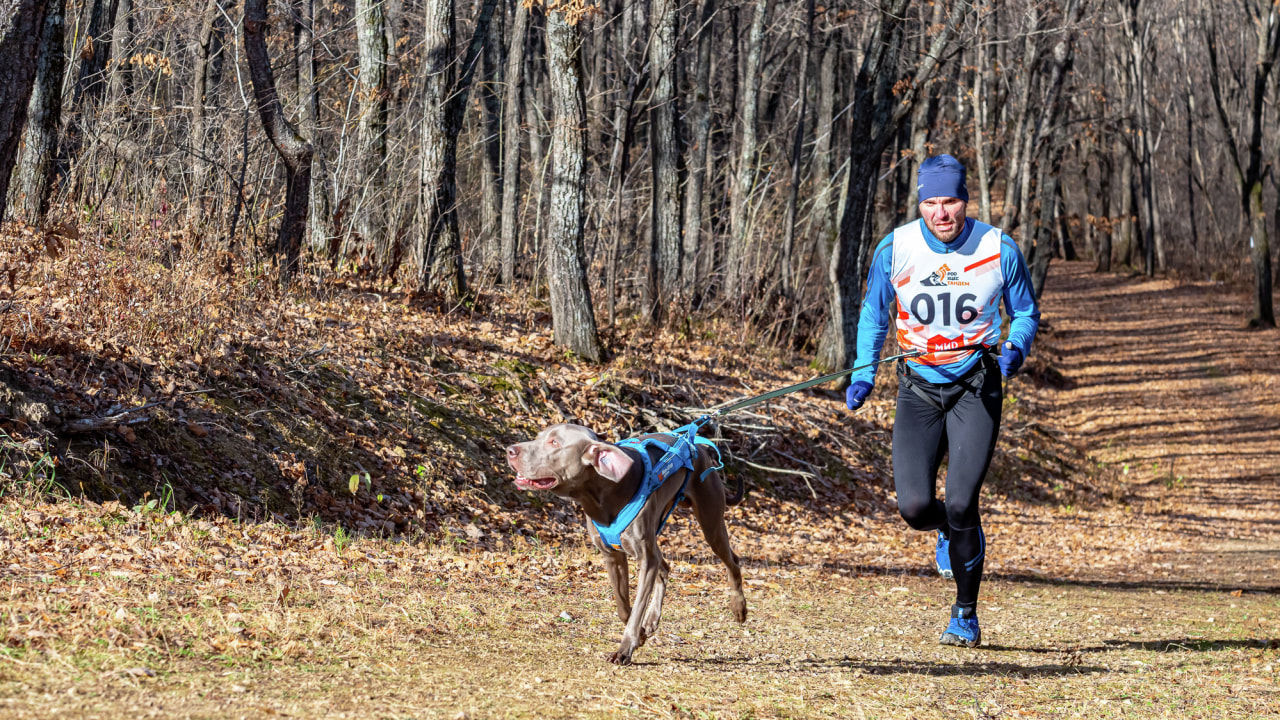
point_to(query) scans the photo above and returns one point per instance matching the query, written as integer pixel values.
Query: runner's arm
(873, 322)
(1019, 297)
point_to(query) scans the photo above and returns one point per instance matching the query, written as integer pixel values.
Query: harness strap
(677, 455)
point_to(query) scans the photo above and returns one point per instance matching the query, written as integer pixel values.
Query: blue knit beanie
(941, 176)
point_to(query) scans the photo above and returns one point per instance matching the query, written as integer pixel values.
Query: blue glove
(1010, 360)
(857, 394)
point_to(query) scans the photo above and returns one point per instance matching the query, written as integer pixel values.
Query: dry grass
(160, 615)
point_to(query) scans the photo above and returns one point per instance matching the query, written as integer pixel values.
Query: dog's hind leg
(718, 538)
(710, 513)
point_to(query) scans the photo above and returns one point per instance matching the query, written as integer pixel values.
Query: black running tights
(963, 423)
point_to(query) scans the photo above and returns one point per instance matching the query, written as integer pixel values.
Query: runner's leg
(972, 426)
(919, 436)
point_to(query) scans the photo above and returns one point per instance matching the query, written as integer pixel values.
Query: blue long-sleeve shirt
(873, 323)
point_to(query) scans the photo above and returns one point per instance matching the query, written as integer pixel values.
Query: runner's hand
(1010, 360)
(857, 394)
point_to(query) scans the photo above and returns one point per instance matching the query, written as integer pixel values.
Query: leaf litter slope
(1112, 593)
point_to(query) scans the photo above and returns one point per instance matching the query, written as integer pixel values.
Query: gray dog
(570, 461)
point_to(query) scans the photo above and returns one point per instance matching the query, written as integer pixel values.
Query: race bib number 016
(926, 307)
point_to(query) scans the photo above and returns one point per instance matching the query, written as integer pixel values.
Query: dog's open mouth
(536, 483)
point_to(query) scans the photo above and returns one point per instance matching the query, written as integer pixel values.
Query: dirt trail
(1164, 374)
(1165, 386)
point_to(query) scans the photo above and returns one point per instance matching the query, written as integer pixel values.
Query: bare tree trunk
(511, 146)
(981, 121)
(392, 12)
(1018, 161)
(44, 113)
(1047, 121)
(1250, 171)
(96, 55)
(1048, 191)
(822, 220)
(877, 114)
(922, 119)
(437, 252)
(573, 320)
(1105, 221)
(119, 74)
(797, 150)
(91, 81)
(371, 130)
(1138, 35)
(295, 152)
(491, 157)
(664, 144)
(200, 165)
(694, 256)
(1190, 110)
(21, 27)
(535, 122)
(744, 182)
(1126, 204)
(597, 79)
(320, 235)
(620, 162)
(632, 77)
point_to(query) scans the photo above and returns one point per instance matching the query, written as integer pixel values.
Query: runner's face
(944, 217)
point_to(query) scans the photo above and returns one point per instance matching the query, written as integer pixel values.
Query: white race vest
(947, 300)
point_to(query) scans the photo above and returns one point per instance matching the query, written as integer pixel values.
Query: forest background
(645, 159)
(281, 280)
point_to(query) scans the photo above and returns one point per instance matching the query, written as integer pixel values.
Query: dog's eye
(553, 442)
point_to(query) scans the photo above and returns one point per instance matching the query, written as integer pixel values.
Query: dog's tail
(739, 493)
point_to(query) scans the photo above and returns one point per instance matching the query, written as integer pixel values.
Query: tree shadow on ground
(1095, 583)
(1171, 585)
(741, 662)
(1186, 645)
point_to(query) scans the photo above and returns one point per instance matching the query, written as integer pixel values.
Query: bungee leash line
(748, 402)
(689, 433)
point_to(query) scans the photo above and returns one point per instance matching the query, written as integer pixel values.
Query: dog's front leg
(652, 567)
(653, 613)
(615, 563)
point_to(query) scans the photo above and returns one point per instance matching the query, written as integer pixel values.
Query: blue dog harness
(676, 455)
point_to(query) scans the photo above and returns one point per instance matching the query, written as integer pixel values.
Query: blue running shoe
(963, 630)
(942, 556)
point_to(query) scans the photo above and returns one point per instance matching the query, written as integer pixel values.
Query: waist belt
(971, 381)
(677, 455)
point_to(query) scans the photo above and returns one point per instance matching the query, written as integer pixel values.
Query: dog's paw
(738, 604)
(619, 658)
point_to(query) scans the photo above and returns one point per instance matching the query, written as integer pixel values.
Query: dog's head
(566, 457)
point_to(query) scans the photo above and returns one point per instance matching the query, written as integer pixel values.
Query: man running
(948, 274)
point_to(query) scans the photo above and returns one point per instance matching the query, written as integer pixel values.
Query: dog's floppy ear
(608, 460)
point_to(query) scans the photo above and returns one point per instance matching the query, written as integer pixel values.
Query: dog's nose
(513, 452)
